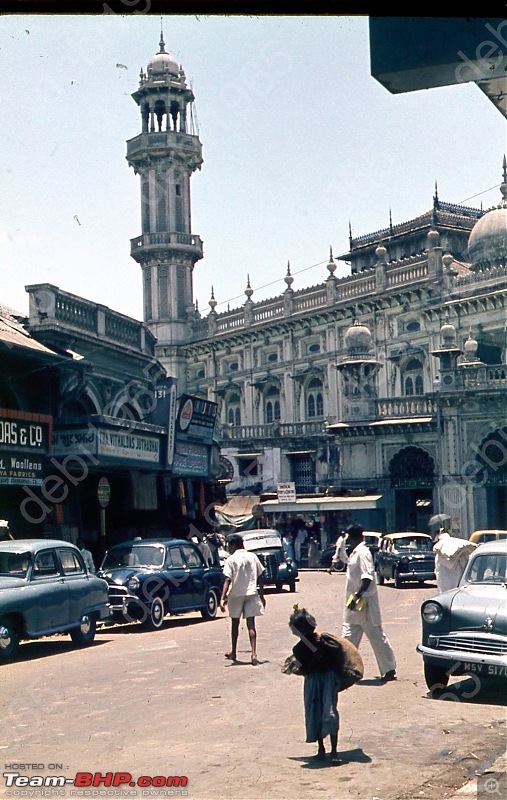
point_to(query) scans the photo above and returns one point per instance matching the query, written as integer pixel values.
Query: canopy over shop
(332, 514)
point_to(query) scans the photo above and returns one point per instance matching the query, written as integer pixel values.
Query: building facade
(388, 384)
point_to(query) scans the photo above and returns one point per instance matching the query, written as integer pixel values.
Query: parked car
(479, 537)
(45, 588)
(150, 578)
(464, 630)
(266, 543)
(405, 556)
(371, 538)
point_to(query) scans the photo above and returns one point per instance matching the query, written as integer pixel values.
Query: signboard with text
(286, 492)
(195, 423)
(24, 443)
(114, 444)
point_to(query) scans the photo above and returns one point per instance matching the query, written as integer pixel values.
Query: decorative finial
(503, 186)
(212, 302)
(289, 280)
(350, 233)
(390, 222)
(331, 266)
(161, 43)
(248, 290)
(435, 197)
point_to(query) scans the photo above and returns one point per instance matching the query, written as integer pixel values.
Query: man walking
(243, 590)
(360, 583)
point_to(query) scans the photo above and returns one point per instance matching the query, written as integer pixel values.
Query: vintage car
(464, 630)
(405, 556)
(279, 568)
(150, 578)
(45, 588)
(488, 535)
(371, 538)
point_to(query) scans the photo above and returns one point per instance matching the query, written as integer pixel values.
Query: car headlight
(133, 583)
(432, 612)
(404, 562)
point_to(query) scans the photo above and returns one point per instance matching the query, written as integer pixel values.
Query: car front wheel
(436, 677)
(211, 607)
(380, 577)
(396, 577)
(85, 634)
(9, 639)
(292, 586)
(155, 616)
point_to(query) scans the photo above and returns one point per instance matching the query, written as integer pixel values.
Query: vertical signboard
(195, 423)
(164, 414)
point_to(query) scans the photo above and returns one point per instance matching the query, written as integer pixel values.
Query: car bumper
(415, 575)
(455, 656)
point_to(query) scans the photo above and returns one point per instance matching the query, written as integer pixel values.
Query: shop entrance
(412, 474)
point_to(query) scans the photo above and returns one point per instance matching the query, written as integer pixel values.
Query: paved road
(167, 703)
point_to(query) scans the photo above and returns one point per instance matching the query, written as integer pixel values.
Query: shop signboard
(286, 492)
(164, 413)
(128, 444)
(24, 442)
(195, 423)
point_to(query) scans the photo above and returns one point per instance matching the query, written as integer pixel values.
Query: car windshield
(135, 555)
(413, 543)
(487, 568)
(371, 540)
(14, 564)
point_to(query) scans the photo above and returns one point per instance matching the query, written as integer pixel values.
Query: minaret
(165, 154)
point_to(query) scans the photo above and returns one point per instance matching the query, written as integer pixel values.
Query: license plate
(486, 669)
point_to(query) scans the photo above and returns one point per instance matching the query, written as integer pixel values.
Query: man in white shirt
(87, 556)
(243, 590)
(360, 582)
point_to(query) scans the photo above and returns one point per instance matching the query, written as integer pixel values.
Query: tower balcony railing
(167, 239)
(155, 141)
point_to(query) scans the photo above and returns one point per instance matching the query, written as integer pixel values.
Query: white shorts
(248, 606)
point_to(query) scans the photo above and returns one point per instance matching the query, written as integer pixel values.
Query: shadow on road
(32, 651)
(344, 757)
(472, 689)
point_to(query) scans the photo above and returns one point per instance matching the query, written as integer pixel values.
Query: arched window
(412, 381)
(272, 405)
(234, 410)
(314, 399)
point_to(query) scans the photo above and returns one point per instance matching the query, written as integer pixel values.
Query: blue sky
(298, 139)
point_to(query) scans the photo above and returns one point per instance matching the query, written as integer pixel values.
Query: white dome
(488, 240)
(358, 338)
(163, 64)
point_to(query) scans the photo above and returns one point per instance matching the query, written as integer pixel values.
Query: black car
(150, 578)
(405, 556)
(279, 567)
(371, 539)
(464, 630)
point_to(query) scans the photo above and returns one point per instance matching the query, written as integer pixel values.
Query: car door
(76, 578)
(195, 563)
(178, 579)
(51, 590)
(381, 558)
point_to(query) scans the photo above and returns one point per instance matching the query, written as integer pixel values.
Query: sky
(298, 140)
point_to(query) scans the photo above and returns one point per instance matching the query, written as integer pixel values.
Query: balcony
(166, 241)
(154, 144)
(55, 312)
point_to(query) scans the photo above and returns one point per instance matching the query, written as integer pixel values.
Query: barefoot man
(243, 590)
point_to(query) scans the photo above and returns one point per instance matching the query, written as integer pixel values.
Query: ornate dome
(448, 334)
(487, 245)
(163, 63)
(358, 338)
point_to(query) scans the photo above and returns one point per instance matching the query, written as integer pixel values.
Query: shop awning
(238, 511)
(320, 504)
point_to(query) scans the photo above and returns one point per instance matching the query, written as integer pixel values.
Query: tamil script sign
(112, 443)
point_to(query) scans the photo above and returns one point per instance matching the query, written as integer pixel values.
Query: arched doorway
(491, 458)
(412, 474)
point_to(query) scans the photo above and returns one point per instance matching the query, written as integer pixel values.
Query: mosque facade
(385, 389)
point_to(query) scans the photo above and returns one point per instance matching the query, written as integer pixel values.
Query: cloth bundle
(343, 655)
